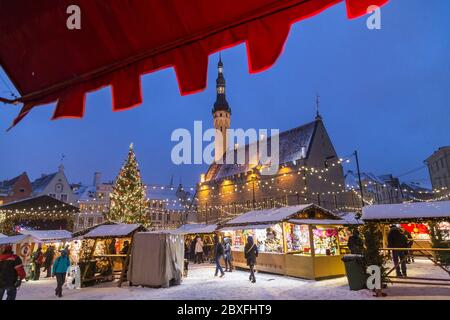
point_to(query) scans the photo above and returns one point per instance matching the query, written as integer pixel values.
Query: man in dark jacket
(37, 259)
(49, 255)
(396, 239)
(355, 243)
(11, 273)
(218, 253)
(250, 253)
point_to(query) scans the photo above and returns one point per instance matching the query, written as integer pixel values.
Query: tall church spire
(221, 100)
(221, 114)
(318, 116)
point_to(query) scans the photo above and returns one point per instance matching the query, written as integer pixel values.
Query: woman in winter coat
(199, 251)
(250, 253)
(60, 266)
(218, 253)
(227, 255)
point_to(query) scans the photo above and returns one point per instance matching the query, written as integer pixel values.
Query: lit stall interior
(296, 245)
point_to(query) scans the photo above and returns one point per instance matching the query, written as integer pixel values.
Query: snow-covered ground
(201, 284)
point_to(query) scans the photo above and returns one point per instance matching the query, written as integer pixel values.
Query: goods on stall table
(325, 241)
(297, 238)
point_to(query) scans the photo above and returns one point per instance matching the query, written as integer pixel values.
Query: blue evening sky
(383, 92)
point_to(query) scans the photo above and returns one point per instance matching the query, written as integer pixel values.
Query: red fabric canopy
(121, 40)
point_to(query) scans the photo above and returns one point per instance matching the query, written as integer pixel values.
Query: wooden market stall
(23, 246)
(103, 253)
(204, 231)
(37, 213)
(300, 241)
(415, 217)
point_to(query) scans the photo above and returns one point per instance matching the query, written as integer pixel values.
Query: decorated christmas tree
(128, 198)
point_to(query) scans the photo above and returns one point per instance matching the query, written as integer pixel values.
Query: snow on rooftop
(434, 209)
(268, 215)
(16, 239)
(44, 235)
(350, 218)
(196, 228)
(319, 222)
(2, 235)
(112, 230)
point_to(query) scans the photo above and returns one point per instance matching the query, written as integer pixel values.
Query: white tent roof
(326, 222)
(46, 235)
(2, 235)
(112, 230)
(413, 210)
(17, 239)
(272, 215)
(247, 227)
(196, 228)
(350, 218)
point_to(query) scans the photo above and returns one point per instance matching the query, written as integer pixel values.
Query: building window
(52, 195)
(153, 216)
(99, 220)
(64, 197)
(81, 222)
(90, 222)
(160, 216)
(22, 190)
(59, 188)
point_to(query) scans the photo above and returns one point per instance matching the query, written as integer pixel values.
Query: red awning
(121, 40)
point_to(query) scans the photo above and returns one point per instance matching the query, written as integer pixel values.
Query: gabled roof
(7, 185)
(274, 215)
(407, 211)
(113, 230)
(17, 239)
(195, 228)
(42, 204)
(294, 144)
(46, 235)
(40, 184)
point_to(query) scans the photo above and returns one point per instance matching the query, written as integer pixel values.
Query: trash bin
(354, 268)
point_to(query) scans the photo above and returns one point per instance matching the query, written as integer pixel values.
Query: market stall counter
(103, 253)
(300, 241)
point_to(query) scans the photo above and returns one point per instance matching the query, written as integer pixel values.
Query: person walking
(409, 254)
(250, 253)
(37, 259)
(62, 263)
(355, 243)
(49, 255)
(11, 273)
(192, 249)
(218, 254)
(199, 251)
(227, 255)
(396, 239)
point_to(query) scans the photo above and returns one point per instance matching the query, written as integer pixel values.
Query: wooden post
(311, 241)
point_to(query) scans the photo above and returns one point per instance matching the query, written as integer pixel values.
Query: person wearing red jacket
(11, 273)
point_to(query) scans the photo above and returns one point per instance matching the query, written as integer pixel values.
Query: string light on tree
(128, 198)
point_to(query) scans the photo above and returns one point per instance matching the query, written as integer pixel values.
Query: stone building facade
(310, 171)
(439, 168)
(15, 189)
